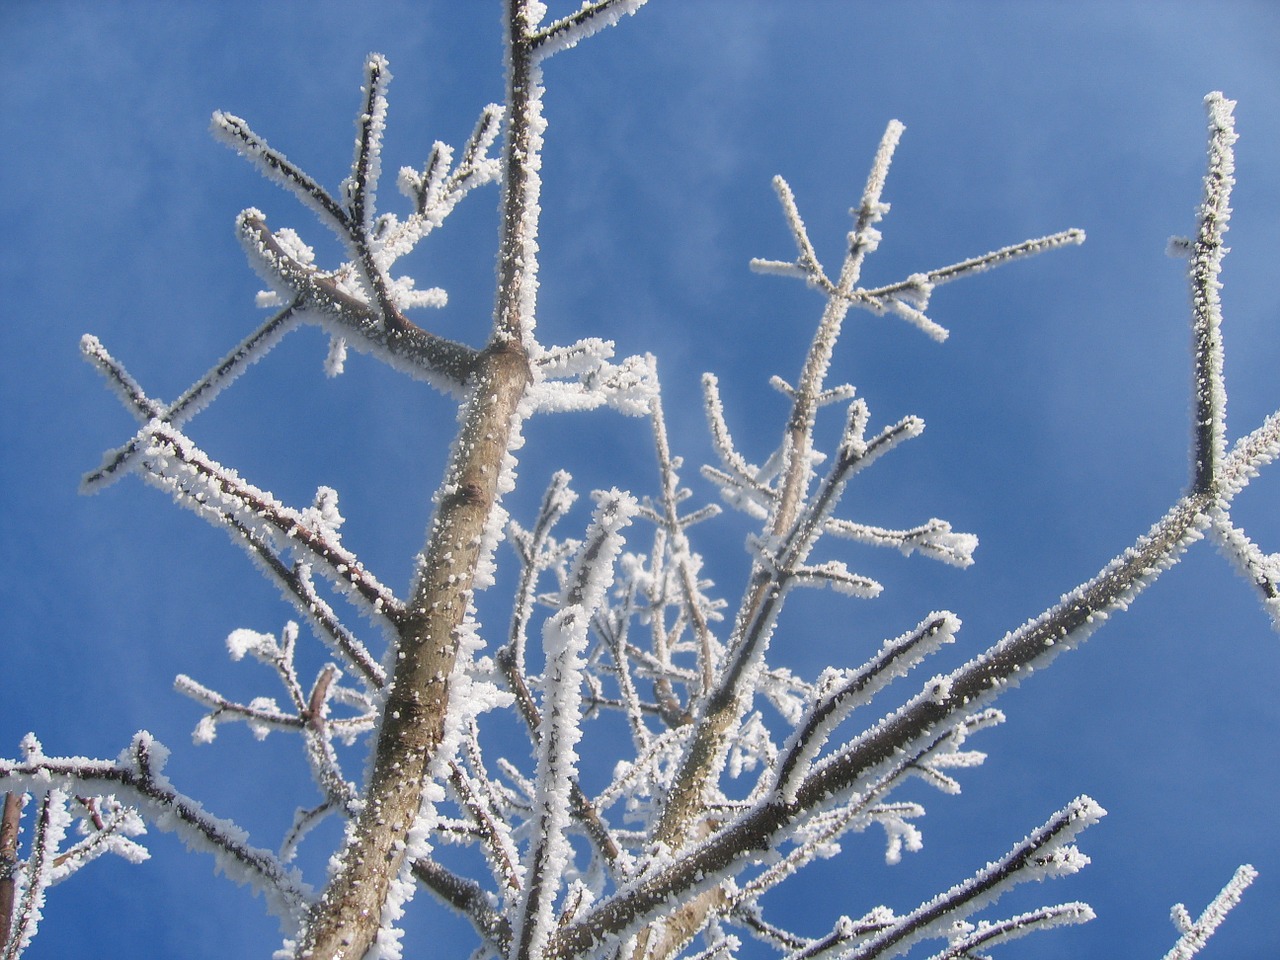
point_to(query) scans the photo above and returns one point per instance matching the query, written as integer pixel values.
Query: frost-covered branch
(740, 773)
(194, 399)
(174, 464)
(1195, 933)
(968, 938)
(569, 31)
(1207, 250)
(137, 776)
(1046, 852)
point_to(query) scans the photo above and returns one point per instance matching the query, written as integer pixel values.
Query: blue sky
(1057, 412)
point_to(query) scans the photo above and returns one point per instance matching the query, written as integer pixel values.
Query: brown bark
(346, 919)
(9, 822)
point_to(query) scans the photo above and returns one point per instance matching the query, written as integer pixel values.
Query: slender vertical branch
(1207, 250)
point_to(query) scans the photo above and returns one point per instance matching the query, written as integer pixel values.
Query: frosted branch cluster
(732, 773)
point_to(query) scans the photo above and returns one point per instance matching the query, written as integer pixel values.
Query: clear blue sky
(1057, 412)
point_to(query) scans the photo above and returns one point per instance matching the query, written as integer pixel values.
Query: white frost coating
(272, 164)
(1205, 265)
(121, 383)
(439, 188)
(840, 693)
(742, 485)
(335, 360)
(469, 696)
(629, 387)
(1196, 934)
(668, 683)
(35, 876)
(261, 646)
(1046, 852)
(564, 638)
(1262, 570)
(366, 165)
(251, 516)
(323, 513)
(105, 826)
(934, 539)
(899, 833)
(967, 938)
(249, 351)
(591, 18)
(137, 775)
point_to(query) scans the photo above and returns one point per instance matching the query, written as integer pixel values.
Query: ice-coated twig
(699, 609)
(105, 826)
(865, 238)
(1260, 569)
(309, 717)
(478, 802)
(468, 898)
(1046, 852)
(844, 932)
(51, 821)
(275, 166)
(695, 857)
(969, 938)
(440, 186)
(933, 539)
(569, 31)
(193, 400)
(443, 363)
(564, 639)
(1194, 934)
(841, 695)
(1207, 250)
(361, 187)
(174, 464)
(742, 483)
(919, 285)
(359, 299)
(131, 394)
(806, 266)
(138, 776)
(539, 552)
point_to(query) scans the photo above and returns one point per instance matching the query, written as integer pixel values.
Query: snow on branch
(359, 299)
(193, 400)
(968, 938)
(103, 825)
(569, 31)
(1258, 568)
(174, 464)
(1195, 933)
(628, 387)
(441, 185)
(340, 305)
(839, 693)
(138, 777)
(1046, 852)
(691, 856)
(564, 640)
(1207, 250)
(934, 538)
(27, 893)
(907, 298)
